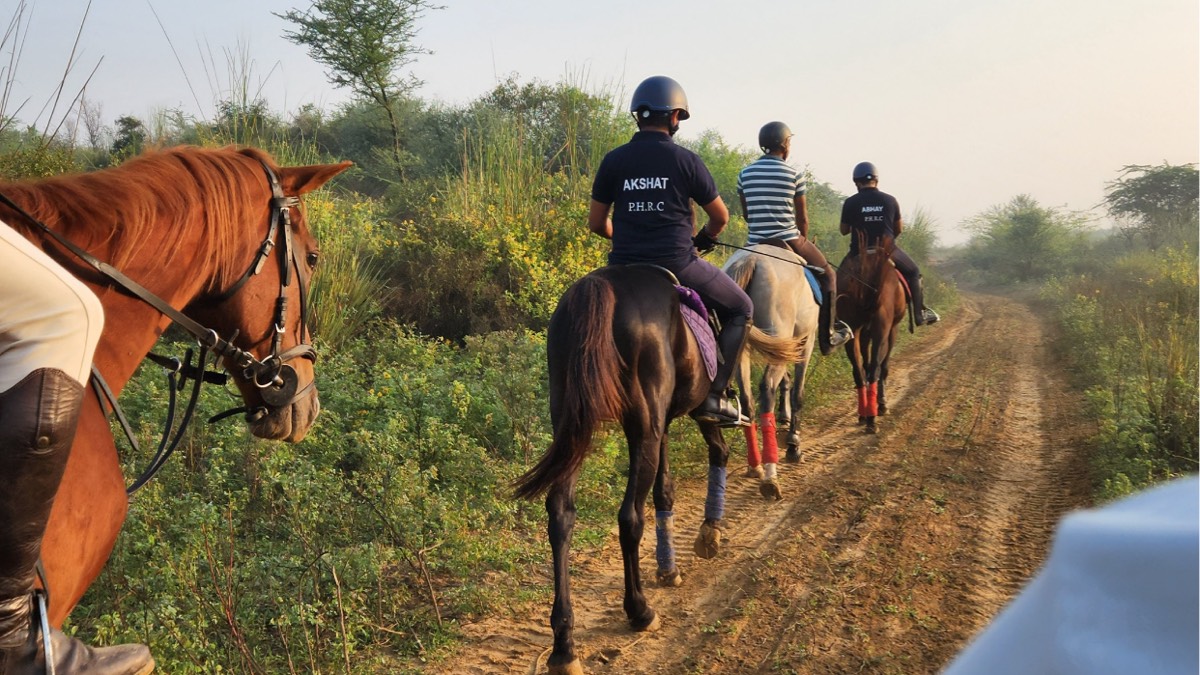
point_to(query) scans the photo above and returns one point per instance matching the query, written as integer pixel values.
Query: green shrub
(1132, 334)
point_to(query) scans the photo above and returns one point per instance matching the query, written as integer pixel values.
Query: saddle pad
(695, 315)
(816, 287)
(904, 285)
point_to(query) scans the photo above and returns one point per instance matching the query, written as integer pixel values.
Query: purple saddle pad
(695, 315)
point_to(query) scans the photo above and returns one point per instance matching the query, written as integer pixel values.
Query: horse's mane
(200, 202)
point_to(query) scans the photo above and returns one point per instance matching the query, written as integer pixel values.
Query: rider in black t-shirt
(877, 214)
(649, 185)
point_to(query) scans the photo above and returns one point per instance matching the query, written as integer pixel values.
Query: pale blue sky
(961, 105)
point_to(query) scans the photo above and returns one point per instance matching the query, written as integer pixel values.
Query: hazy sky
(962, 105)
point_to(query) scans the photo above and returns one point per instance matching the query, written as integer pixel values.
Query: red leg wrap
(770, 444)
(872, 400)
(862, 401)
(752, 459)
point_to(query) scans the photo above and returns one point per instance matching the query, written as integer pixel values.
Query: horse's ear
(298, 180)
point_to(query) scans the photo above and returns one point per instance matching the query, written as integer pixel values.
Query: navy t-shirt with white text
(650, 182)
(873, 212)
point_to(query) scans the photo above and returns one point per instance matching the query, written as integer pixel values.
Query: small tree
(130, 137)
(364, 44)
(1023, 240)
(1159, 203)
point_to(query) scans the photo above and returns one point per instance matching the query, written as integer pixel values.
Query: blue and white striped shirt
(770, 187)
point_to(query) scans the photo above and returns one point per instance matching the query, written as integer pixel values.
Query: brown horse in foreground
(871, 300)
(188, 224)
(618, 350)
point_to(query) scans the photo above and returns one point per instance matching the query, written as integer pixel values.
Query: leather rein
(277, 382)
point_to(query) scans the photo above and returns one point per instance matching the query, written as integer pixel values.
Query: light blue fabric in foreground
(1119, 595)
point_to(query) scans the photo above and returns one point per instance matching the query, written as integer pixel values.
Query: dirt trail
(887, 553)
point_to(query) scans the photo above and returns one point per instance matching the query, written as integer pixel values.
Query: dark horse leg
(855, 353)
(881, 400)
(876, 365)
(708, 542)
(645, 430)
(664, 520)
(785, 405)
(560, 505)
(885, 354)
(793, 438)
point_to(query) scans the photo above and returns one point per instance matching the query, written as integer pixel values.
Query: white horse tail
(777, 349)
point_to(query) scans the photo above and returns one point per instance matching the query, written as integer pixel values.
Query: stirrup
(41, 598)
(719, 417)
(929, 316)
(840, 334)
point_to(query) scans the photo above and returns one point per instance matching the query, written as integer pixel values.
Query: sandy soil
(887, 553)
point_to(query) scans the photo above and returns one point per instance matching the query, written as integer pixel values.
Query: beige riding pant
(48, 318)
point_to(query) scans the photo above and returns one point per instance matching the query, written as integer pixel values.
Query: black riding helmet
(864, 171)
(773, 135)
(659, 94)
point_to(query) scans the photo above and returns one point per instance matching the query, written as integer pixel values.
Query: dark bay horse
(618, 350)
(871, 300)
(192, 226)
(784, 306)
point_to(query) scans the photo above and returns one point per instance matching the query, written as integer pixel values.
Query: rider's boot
(38, 417)
(925, 316)
(922, 315)
(831, 333)
(717, 407)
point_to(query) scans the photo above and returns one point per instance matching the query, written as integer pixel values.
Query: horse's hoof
(882, 408)
(708, 542)
(572, 668)
(870, 428)
(647, 626)
(770, 490)
(862, 420)
(792, 456)
(754, 472)
(669, 578)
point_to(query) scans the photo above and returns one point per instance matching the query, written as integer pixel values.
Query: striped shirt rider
(770, 187)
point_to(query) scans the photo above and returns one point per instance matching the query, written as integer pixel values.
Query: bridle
(275, 379)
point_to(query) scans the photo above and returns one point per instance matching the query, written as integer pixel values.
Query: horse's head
(265, 309)
(862, 275)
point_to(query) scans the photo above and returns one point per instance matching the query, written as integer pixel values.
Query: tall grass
(1132, 334)
(500, 242)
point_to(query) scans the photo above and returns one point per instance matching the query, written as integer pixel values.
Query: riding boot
(831, 333)
(71, 656)
(717, 407)
(38, 417)
(921, 314)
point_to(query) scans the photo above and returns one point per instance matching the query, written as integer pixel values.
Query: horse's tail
(590, 389)
(774, 349)
(777, 349)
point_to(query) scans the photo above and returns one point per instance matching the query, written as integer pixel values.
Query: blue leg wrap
(714, 504)
(664, 530)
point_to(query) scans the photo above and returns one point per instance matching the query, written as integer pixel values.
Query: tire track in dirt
(887, 553)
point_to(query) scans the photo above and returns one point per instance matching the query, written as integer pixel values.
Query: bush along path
(886, 554)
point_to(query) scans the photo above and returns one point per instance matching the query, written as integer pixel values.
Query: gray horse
(784, 306)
